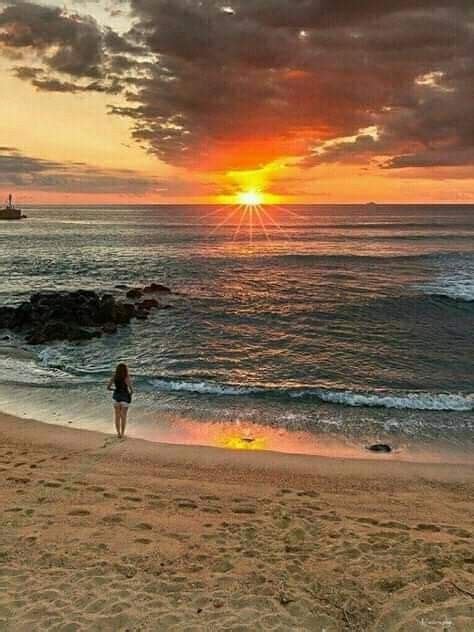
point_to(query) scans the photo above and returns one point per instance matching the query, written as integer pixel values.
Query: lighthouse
(10, 212)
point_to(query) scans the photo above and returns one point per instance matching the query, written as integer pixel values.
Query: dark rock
(379, 447)
(56, 330)
(134, 294)
(124, 312)
(121, 286)
(106, 309)
(23, 316)
(85, 318)
(148, 303)
(156, 287)
(74, 316)
(6, 315)
(35, 339)
(110, 328)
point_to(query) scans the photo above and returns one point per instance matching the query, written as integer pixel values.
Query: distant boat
(10, 211)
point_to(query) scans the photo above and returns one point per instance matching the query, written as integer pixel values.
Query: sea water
(349, 322)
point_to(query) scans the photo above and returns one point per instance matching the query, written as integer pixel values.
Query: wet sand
(102, 534)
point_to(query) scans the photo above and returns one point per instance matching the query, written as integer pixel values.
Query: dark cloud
(274, 78)
(219, 85)
(30, 173)
(68, 45)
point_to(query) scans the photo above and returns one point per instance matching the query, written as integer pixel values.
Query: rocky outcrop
(75, 316)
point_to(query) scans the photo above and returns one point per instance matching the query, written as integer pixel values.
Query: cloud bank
(35, 174)
(215, 86)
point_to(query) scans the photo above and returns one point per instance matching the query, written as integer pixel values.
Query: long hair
(121, 372)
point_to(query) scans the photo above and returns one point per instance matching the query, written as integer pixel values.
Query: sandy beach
(102, 534)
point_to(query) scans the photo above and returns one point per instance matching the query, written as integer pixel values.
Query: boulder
(124, 312)
(6, 316)
(134, 293)
(35, 339)
(110, 328)
(156, 287)
(74, 316)
(106, 309)
(23, 316)
(148, 303)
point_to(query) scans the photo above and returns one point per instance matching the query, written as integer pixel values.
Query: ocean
(318, 326)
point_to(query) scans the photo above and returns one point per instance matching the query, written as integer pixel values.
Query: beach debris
(73, 316)
(248, 439)
(379, 447)
(285, 599)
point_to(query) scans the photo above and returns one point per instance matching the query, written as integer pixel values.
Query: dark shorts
(122, 400)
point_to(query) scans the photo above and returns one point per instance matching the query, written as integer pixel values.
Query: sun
(250, 198)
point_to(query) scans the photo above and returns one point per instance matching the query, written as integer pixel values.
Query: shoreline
(331, 429)
(101, 534)
(53, 434)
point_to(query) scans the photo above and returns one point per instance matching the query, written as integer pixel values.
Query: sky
(196, 101)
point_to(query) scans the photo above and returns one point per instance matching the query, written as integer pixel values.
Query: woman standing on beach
(121, 385)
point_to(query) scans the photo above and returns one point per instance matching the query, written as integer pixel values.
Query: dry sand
(102, 534)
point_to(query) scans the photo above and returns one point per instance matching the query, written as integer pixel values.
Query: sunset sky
(154, 101)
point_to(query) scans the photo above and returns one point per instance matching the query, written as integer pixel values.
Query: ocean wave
(408, 401)
(205, 388)
(453, 289)
(351, 258)
(18, 369)
(49, 370)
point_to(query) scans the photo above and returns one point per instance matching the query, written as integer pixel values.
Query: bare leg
(117, 420)
(123, 419)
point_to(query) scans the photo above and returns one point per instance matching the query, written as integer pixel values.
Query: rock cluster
(78, 315)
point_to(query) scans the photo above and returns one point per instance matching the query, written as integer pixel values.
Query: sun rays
(251, 218)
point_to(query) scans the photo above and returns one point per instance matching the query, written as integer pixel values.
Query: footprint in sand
(144, 526)
(428, 527)
(370, 521)
(461, 533)
(309, 494)
(131, 490)
(79, 512)
(244, 510)
(186, 503)
(395, 525)
(16, 479)
(108, 442)
(112, 519)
